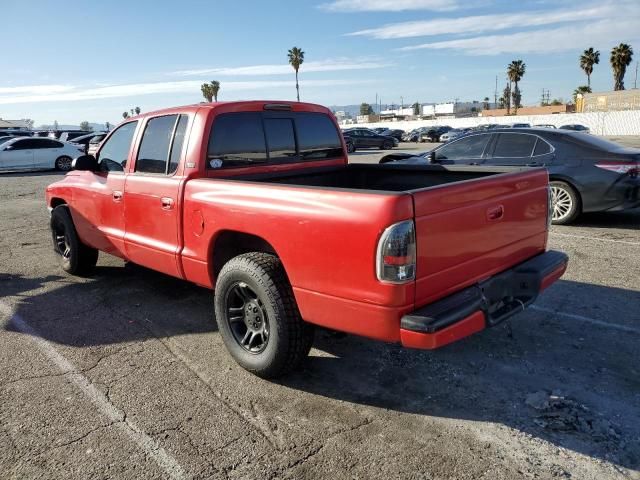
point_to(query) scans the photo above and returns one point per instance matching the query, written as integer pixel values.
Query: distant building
(19, 123)
(11, 125)
(451, 109)
(396, 114)
(608, 101)
(546, 110)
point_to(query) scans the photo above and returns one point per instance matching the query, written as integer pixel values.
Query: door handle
(117, 196)
(167, 203)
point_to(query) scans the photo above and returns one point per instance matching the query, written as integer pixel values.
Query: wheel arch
(231, 243)
(571, 183)
(56, 202)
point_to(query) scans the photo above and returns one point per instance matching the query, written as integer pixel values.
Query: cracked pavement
(143, 388)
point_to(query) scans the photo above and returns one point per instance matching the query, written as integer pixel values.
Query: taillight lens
(622, 168)
(396, 260)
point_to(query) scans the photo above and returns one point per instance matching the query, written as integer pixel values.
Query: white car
(35, 153)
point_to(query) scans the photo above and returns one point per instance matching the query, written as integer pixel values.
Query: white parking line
(593, 321)
(164, 460)
(584, 237)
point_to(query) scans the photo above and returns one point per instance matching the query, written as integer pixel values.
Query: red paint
(326, 238)
(459, 330)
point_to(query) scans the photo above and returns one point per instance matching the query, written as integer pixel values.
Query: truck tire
(257, 316)
(76, 258)
(566, 203)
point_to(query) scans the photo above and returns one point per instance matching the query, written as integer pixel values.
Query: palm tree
(515, 72)
(588, 59)
(296, 58)
(137, 110)
(205, 88)
(486, 103)
(215, 88)
(125, 115)
(581, 90)
(620, 59)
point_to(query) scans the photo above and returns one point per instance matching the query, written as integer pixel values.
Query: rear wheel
(351, 147)
(76, 258)
(386, 145)
(63, 163)
(565, 201)
(257, 316)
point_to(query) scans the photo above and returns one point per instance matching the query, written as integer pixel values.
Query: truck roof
(239, 106)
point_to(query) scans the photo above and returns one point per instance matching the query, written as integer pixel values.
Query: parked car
(414, 135)
(576, 127)
(4, 138)
(84, 140)
(587, 174)
(95, 142)
(379, 129)
(518, 125)
(35, 153)
(544, 125)
(16, 133)
(433, 133)
(65, 135)
(365, 138)
(260, 203)
(395, 133)
(453, 134)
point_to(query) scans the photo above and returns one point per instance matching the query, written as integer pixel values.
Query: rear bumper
(484, 304)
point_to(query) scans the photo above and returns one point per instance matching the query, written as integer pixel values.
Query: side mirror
(85, 162)
(432, 156)
(9, 147)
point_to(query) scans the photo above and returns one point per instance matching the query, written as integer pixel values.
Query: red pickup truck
(257, 201)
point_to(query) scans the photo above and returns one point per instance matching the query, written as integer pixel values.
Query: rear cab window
(249, 138)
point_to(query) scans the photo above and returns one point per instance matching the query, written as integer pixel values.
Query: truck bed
(376, 177)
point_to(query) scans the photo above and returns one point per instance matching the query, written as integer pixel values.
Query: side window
(466, 148)
(280, 138)
(542, 148)
(236, 140)
(317, 136)
(22, 145)
(47, 143)
(514, 145)
(114, 153)
(156, 142)
(178, 142)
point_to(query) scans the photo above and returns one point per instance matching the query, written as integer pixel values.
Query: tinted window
(97, 139)
(280, 138)
(154, 147)
(317, 136)
(514, 145)
(47, 143)
(23, 144)
(237, 139)
(115, 151)
(542, 147)
(467, 147)
(178, 141)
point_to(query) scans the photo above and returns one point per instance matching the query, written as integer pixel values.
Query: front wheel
(257, 316)
(76, 258)
(565, 202)
(63, 163)
(351, 147)
(387, 145)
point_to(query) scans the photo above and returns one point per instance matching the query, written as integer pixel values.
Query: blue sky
(91, 61)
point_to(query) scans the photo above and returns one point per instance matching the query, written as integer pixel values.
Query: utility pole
(401, 103)
(635, 82)
(495, 94)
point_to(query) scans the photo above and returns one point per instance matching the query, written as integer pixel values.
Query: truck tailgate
(470, 230)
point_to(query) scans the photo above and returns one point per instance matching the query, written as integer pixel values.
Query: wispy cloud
(482, 23)
(571, 37)
(64, 93)
(330, 65)
(391, 5)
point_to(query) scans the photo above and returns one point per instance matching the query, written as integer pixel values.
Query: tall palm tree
(621, 57)
(296, 58)
(588, 59)
(486, 103)
(137, 110)
(205, 88)
(515, 72)
(215, 88)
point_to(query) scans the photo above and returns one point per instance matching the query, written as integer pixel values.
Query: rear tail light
(622, 168)
(396, 256)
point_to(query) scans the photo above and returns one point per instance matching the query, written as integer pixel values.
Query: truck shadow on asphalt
(568, 383)
(626, 219)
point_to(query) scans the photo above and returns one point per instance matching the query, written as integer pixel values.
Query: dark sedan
(356, 138)
(393, 132)
(586, 173)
